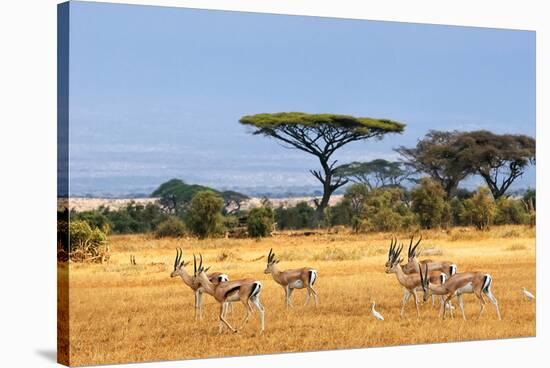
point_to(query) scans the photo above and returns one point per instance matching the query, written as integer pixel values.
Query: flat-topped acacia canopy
(320, 135)
(357, 125)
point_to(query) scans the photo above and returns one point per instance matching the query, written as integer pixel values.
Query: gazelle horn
(177, 260)
(416, 246)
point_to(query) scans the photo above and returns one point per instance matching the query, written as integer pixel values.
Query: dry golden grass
(122, 313)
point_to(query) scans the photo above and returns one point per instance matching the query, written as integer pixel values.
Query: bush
(204, 217)
(340, 214)
(94, 218)
(172, 227)
(457, 212)
(260, 222)
(430, 205)
(133, 218)
(480, 209)
(298, 217)
(511, 211)
(385, 210)
(86, 243)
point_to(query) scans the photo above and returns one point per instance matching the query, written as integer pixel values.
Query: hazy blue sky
(157, 92)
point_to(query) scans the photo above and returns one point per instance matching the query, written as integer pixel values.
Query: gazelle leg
(308, 294)
(416, 304)
(481, 305)
(197, 293)
(248, 311)
(221, 321)
(461, 304)
(287, 304)
(229, 308)
(258, 304)
(406, 296)
(314, 296)
(200, 305)
(289, 296)
(433, 299)
(445, 303)
(494, 301)
(222, 317)
(442, 304)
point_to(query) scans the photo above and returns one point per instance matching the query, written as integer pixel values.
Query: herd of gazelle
(432, 278)
(247, 291)
(437, 278)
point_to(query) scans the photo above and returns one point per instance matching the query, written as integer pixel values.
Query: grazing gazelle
(246, 291)
(413, 264)
(179, 270)
(409, 282)
(292, 279)
(477, 283)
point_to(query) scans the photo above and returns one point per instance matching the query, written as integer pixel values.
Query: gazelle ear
(277, 261)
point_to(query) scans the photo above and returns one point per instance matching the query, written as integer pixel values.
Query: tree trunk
(327, 191)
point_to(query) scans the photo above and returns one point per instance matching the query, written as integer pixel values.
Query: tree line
(420, 190)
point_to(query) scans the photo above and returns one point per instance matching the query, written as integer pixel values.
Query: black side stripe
(231, 291)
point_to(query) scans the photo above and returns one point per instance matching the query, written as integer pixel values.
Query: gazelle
(413, 264)
(246, 291)
(478, 283)
(409, 282)
(179, 270)
(292, 279)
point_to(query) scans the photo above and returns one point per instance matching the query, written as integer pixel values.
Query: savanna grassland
(120, 312)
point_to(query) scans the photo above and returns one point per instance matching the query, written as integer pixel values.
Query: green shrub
(480, 209)
(204, 218)
(260, 222)
(298, 217)
(511, 211)
(86, 243)
(82, 234)
(430, 205)
(171, 227)
(385, 210)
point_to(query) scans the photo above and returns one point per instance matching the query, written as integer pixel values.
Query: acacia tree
(320, 135)
(376, 173)
(438, 155)
(499, 159)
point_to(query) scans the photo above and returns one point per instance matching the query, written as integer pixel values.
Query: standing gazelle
(478, 283)
(409, 282)
(292, 279)
(179, 270)
(413, 264)
(246, 291)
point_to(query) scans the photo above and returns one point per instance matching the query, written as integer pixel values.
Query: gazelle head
(178, 264)
(394, 258)
(425, 282)
(199, 271)
(271, 261)
(412, 264)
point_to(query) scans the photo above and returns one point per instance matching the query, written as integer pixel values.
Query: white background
(28, 180)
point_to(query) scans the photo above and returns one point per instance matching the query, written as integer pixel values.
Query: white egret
(527, 294)
(376, 315)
